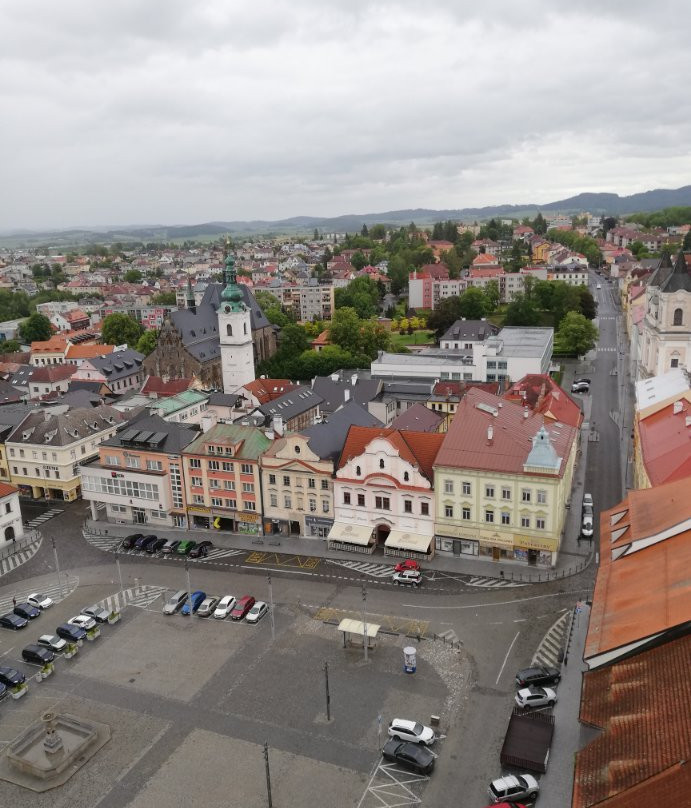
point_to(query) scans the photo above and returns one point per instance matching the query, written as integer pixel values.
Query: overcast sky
(185, 111)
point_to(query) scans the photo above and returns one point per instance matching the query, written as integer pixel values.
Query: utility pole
(117, 564)
(364, 619)
(271, 606)
(328, 694)
(57, 565)
(189, 585)
(268, 774)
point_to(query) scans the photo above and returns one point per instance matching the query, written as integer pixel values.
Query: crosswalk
(365, 567)
(15, 560)
(69, 584)
(612, 350)
(551, 645)
(44, 517)
(107, 543)
(139, 596)
(491, 583)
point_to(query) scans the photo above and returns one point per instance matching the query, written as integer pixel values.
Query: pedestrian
(14, 601)
(501, 574)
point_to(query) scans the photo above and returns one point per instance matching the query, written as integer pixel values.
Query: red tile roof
(665, 443)
(88, 351)
(542, 394)
(466, 444)
(6, 489)
(52, 373)
(643, 587)
(156, 385)
(265, 390)
(643, 704)
(418, 448)
(56, 343)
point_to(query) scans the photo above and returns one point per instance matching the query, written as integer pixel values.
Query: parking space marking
(279, 560)
(549, 649)
(503, 664)
(396, 625)
(44, 517)
(389, 787)
(367, 568)
(17, 559)
(69, 584)
(139, 596)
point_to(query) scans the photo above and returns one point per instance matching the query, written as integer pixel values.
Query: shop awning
(356, 627)
(348, 532)
(402, 540)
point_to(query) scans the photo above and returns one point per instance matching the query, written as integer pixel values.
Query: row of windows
(288, 503)
(218, 502)
(491, 490)
(134, 462)
(217, 465)
(120, 487)
(382, 503)
(504, 516)
(311, 482)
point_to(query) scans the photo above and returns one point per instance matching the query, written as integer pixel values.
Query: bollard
(434, 720)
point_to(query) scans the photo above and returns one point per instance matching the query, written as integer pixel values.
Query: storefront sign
(530, 543)
(496, 539)
(249, 517)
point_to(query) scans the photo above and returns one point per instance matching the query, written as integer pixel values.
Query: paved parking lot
(191, 701)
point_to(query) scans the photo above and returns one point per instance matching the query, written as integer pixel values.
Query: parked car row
(587, 516)
(152, 544)
(407, 573)
(219, 607)
(23, 613)
(408, 745)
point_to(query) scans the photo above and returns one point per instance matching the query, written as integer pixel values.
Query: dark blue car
(27, 611)
(70, 633)
(196, 598)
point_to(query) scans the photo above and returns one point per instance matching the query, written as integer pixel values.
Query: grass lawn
(422, 337)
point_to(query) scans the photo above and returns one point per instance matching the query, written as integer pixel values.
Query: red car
(242, 606)
(408, 564)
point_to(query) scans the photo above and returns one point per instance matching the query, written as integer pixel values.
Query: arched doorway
(381, 533)
(9, 533)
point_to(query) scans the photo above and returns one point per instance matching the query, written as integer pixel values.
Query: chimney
(678, 407)
(490, 434)
(353, 379)
(525, 413)
(346, 395)
(277, 425)
(206, 422)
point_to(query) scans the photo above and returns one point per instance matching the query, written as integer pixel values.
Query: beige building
(45, 450)
(502, 482)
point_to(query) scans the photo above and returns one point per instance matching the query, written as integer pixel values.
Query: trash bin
(409, 659)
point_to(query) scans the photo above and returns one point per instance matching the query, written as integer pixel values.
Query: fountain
(50, 751)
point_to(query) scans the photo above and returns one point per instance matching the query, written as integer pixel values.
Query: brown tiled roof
(466, 444)
(56, 343)
(6, 489)
(541, 393)
(643, 587)
(643, 706)
(665, 441)
(265, 390)
(88, 351)
(418, 448)
(155, 384)
(52, 373)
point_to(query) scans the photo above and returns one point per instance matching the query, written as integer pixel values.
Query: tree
(265, 299)
(576, 334)
(344, 330)
(361, 294)
(133, 276)
(120, 329)
(522, 311)
(147, 342)
(10, 346)
(444, 316)
(516, 259)
(686, 245)
(539, 225)
(493, 295)
(164, 299)
(398, 274)
(364, 232)
(358, 260)
(293, 340)
(35, 328)
(473, 304)
(588, 306)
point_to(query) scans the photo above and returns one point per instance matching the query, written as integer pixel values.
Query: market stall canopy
(348, 532)
(414, 542)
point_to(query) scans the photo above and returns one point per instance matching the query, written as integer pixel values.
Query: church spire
(189, 295)
(231, 293)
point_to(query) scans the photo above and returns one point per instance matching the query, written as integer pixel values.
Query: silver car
(99, 614)
(224, 607)
(207, 607)
(175, 602)
(39, 600)
(82, 621)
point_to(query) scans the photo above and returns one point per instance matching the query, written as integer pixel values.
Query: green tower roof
(232, 294)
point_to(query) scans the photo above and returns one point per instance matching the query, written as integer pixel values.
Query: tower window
(229, 330)
(678, 317)
(244, 327)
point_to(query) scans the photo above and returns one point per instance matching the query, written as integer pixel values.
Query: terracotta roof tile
(418, 448)
(643, 586)
(665, 442)
(265, 390)
(643, 704)
(542, 394)
(6, 489)
(88, 351)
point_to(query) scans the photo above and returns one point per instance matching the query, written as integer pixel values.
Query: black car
(128, 541)
(582, 381)
(37, 655)
(3, 691)
(155, 546)
(142, 543)
(70, 633)
(27, 611)
(201, 550)
(538, 676)
(411, 756)
(13, 621)
(11, 677)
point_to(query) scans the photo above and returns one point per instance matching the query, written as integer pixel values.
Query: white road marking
(498, 603)
(503, 665)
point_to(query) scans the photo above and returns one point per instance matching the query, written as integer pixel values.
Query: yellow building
(44, 451)
(502, 481)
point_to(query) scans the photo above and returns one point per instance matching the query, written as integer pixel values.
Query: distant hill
(612, 204)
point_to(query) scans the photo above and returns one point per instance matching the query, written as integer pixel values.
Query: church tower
(235, 332)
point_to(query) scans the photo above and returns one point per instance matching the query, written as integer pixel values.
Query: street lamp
(271, 606)
(57, 566)
(364, 618)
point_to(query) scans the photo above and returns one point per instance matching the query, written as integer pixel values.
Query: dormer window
(297, 450)
(406, 477)
(357, 471)
(381, 463)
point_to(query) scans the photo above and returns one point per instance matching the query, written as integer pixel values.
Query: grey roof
(81, 398)
(327, 439)
(169, 437)
(419, 418)
(119, 364)
(84, 384)
(333, 391)
(21, 377)
(9, 393)
(60, 430)
(199, 329)
(475, 330)
(672, 278)
(523, 341)
(224, 399)
(11, 415)
(290, 404)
